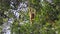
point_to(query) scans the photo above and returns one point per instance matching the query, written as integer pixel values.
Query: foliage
(46, 21)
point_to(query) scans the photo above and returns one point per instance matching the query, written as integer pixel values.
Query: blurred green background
(46, 20)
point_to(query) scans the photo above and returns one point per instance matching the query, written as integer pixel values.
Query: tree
(46, 16)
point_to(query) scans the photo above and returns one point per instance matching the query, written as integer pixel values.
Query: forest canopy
(30, 16)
